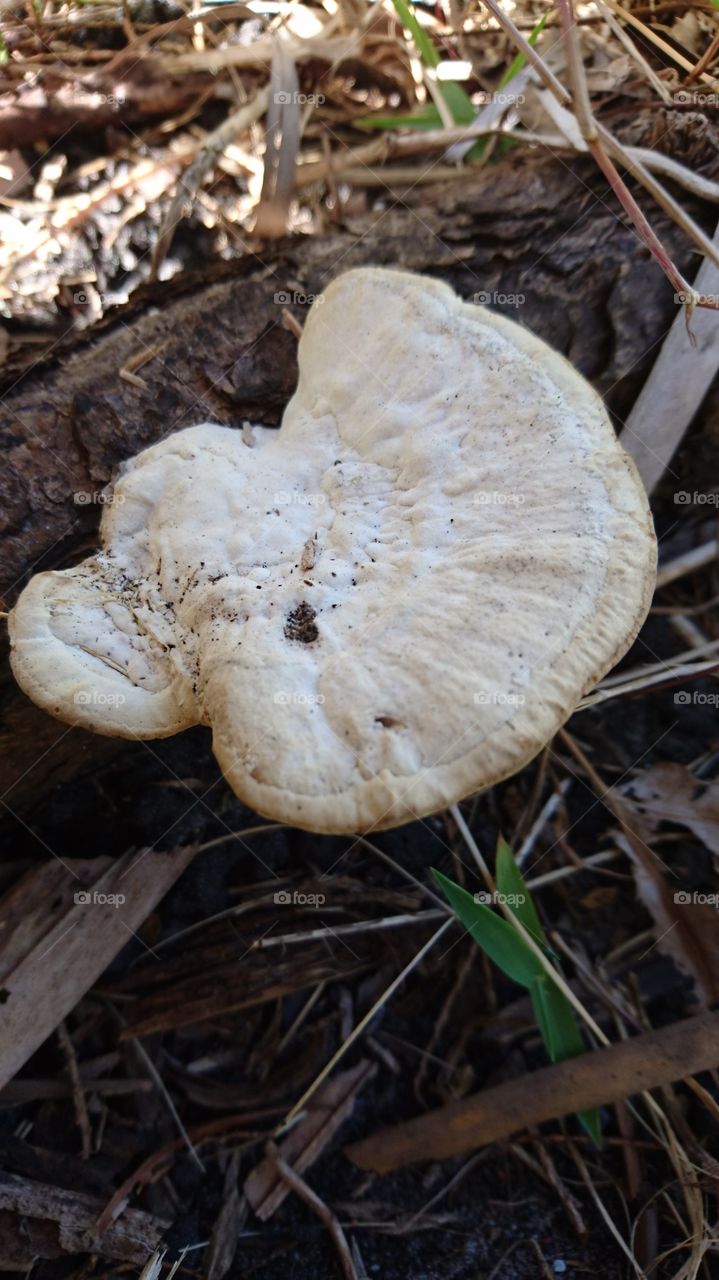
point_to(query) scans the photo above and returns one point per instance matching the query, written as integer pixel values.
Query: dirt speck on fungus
(300, 624)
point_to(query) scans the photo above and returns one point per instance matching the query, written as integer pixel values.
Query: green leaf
(426, 49)
(460, 105)
(512, 884)
(507, 144)
(556, 1020)
(492, 933)
(458, 102)
(520, 59)
(561, 1034)
(505, 946)
(427, 118)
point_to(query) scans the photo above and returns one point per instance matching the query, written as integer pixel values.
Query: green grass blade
(501, 942)
(427, 118)
(520, 59)
(556, 1020)
(425, 48)
(512, 884)
(492, 933)
(561, 1034)
(592, 1125)
(459, 104)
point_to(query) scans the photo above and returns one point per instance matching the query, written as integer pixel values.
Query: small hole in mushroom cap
(389, 722)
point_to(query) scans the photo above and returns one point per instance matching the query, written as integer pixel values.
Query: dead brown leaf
(686, 927)
(686, 930)
(670, 793)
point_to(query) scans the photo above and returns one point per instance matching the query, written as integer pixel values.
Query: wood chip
(50, 1222)
(60, 927)
(265, 1188)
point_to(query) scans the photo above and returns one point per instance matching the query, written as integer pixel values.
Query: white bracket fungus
(393, 601)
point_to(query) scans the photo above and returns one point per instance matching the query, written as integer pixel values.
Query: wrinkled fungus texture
(393, 601)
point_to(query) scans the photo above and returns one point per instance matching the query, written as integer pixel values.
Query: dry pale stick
(676, 386)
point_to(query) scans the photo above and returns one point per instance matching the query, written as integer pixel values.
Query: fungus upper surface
(393, 601)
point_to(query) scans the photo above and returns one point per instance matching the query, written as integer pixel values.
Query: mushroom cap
(390, 603)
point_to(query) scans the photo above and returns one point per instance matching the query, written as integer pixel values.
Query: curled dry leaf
(669, 792)
(686, 925)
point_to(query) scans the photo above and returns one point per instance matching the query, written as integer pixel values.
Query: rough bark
(216, 348)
